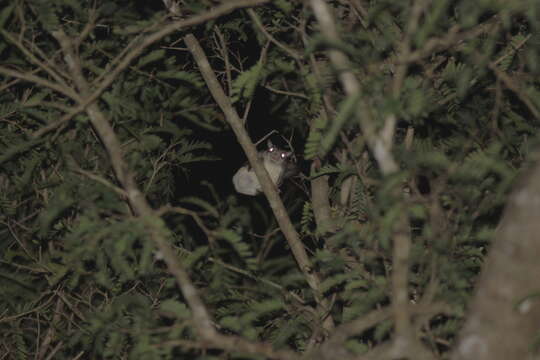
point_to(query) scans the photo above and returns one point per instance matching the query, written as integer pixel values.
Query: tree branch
(293, 53)
(52, 71)
(157, 229)
(267, 185)
(380, 145)
(503, 317)
(64, 90)
(351, 85)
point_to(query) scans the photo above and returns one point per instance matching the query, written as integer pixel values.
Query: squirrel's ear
(269, 144)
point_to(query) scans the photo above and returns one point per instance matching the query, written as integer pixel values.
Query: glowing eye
(283, 155)
(271, 149)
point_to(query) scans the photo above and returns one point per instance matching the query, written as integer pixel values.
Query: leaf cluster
(80, 276)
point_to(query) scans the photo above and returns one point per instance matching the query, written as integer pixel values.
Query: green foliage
(245, 84)
(307, 219)
(78, 266)
(345, 112)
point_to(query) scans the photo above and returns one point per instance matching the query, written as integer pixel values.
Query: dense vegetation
(121, 235)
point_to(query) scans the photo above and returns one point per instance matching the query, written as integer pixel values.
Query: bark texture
(504, 316)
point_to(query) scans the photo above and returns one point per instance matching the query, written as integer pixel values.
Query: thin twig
(510, 83)
(287, 93)
(452, 38)
(257, 21)
(52, 71)
(67, 91)
(37, 308)
(224, 50)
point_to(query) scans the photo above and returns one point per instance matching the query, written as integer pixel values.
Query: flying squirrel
(277, 164)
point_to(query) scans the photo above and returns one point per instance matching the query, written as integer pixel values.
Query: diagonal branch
(267, 185)
(156, 227)
(292, 52)
(67, 91)
(136, 199)
(52, 71)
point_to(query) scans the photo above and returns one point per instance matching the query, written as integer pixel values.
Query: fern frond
(245, 84)
(313, 141)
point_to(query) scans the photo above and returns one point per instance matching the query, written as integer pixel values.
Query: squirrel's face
(276, 155)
